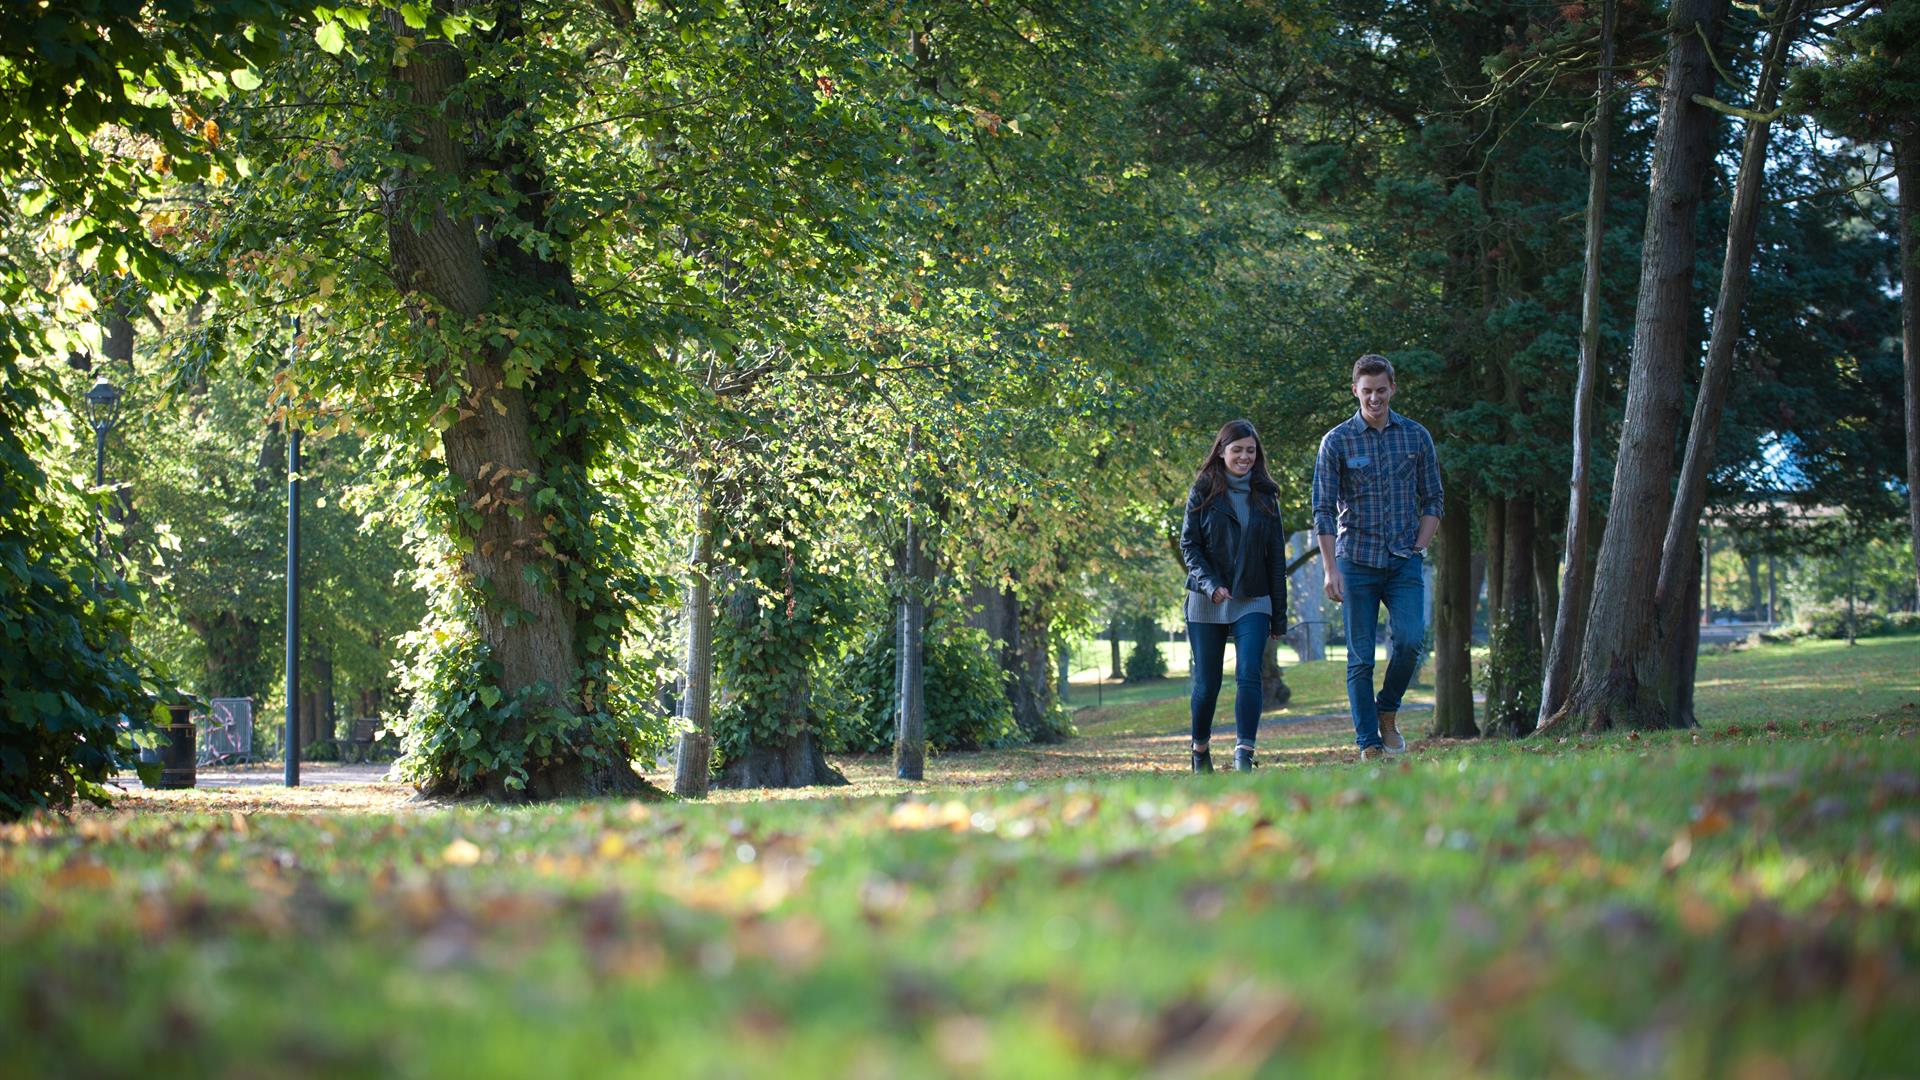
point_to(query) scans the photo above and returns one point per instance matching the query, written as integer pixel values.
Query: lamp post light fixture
(103, 411)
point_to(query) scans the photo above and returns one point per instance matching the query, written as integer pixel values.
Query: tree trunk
(525, 622)
(234, 666)
(1906, 164)
(1617, 685)
(1513, 662)
(1546, 576)
(1034, 711)
(1274, 691)
(1307, 599)
(1496, 559)
(1113, 644)
(1063, 664)
(1680, 622)
(1681, 649)
(693, 753)
(910, 730)
(1496, 515)
(795, 760)
(1454, 602)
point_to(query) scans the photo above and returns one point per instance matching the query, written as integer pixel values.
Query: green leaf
(244, 78)
(490, 696)
(330, 37)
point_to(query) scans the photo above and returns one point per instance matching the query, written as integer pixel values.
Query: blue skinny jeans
(1209, 644)
(1402, 589)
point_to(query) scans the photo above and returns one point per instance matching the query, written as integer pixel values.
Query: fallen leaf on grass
(1677, 853)
(794, 944)
(917, 816)
(462, 852)
(1712, 822)
(963, 1042)
(81, 874)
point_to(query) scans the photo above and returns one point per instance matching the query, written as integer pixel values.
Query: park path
(1130, 739)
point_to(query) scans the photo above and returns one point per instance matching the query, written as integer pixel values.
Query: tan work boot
(1390, 733)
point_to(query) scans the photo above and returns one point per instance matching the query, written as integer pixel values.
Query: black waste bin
(177, 753)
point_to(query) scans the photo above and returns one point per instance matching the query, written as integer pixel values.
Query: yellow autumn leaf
(462, 852)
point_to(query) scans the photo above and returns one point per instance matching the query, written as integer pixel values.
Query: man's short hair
(1373, 364)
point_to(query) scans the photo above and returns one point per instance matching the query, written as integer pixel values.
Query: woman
(1236, 556)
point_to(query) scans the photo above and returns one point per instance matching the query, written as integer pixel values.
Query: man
(1376, 506)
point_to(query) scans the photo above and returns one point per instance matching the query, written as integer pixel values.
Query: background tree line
(761, 382)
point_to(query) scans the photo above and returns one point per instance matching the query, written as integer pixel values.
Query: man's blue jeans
(1401, 587)
(1209, 644)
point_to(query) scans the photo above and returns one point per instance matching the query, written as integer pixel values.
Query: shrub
(68, 670)
(1146, 662)
(1904, 622)
(966, 696)
(1829, 621)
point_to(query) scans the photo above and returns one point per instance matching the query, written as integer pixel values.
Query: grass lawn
(1738, 901)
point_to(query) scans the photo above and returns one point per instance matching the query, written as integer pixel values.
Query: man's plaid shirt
(1371, 488)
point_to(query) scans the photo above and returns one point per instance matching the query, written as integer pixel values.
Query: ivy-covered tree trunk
(1617, 686)
(782, 751)
(1454, 597)
(511, 559)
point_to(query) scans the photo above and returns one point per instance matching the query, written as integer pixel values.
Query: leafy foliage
(87, 129)
(966, 690)
(71, 693)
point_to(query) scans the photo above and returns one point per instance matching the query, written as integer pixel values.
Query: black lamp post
(103, 411)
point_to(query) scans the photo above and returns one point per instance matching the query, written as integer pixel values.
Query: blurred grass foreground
(1736, 901)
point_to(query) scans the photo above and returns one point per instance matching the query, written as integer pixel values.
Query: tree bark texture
(1680, 649)
(1496, 531)
(1906, 163)
(527, 625)
(1019, 631)
(910, 717)
(1514, 657)
(1454, 601)
(1274, 691)
(1307, 599)
(1617, 682)
(1034, 711)
(795, 760)
(1546, 574)
(693, 753)
(1679, 623)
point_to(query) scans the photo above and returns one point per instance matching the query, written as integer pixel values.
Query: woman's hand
(1220, 596)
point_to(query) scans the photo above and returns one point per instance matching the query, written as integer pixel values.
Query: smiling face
(1238, 456)
(1374, 392)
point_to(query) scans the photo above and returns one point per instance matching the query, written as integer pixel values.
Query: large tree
(1617, 684)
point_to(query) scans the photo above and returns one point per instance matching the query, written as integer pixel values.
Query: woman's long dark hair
(1211, 483)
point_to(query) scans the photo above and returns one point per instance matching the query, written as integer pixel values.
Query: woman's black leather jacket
(1249, 561)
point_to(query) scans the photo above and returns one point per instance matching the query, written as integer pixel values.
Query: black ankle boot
(1243, 759)
(1203, 760)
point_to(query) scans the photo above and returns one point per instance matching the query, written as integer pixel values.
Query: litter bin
(177, 754)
